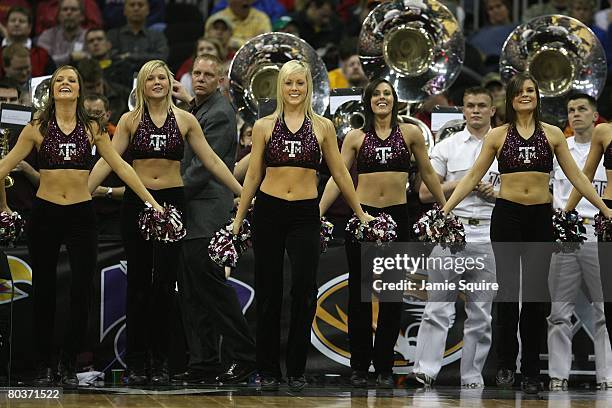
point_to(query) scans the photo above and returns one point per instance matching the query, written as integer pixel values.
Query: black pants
(513, 222)
(211, 309)
(280, 225)
(49, 226)
(152, 268)
(605, 271)
(360, 313)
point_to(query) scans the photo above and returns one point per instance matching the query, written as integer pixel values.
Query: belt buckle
(586, 221)
(474, 221)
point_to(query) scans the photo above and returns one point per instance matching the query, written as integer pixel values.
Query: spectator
(350, 73)
(18, 67)
(112, 11)
(273, 8)
(204, 46)
(318, 24)
(65, 41)
(25, 175)
(134, 43)
(6, 5)
(222, 29)
(245, 140)
(490, 38)
(99, 49)
(247, 22)
(48, 10)
(19, 27)
(493, 83)
(94, 83)
(285, 24)
(583, 10)
(108, 196)
(542, 9)
(603, 18)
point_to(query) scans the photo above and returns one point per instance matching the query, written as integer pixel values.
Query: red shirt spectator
(46, 15)
(6, 5)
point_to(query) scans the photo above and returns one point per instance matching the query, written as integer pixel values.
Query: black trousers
(294, 226)
(50, 226)
(513, 222)
(152, 269)
(210, 309)
(605, 271)
(360, 313)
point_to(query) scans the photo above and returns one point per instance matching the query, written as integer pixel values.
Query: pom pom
(166, 226)
(603, 228)
(442, 229)
(568, 230)
(380, 230)
(225, 248)
(11, 227)
(327, 229)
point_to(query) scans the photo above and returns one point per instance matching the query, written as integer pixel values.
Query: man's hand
(228, 271)
(485, 191)
(179, 92)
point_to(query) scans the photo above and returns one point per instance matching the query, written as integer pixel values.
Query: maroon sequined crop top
(61, 151)
(519, 154)
(376, 155)
(608, 157)
(152, 142)
(299, 149)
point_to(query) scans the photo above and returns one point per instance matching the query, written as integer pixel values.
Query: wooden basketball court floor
(328, 397)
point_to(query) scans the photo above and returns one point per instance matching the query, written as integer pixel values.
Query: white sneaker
(604, 385)
(557, 384)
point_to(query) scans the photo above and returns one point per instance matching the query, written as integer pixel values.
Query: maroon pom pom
(225, 248)
(568, 229)
(327, 229)
(11, 227)
(166, 226)
(603, 228)
(438, 228)
(380, 230)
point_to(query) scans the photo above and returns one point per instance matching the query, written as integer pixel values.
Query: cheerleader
(155, 133)
(524, 148)
(286, 153)
(382, 151)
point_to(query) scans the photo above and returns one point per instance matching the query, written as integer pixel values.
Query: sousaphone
(254, 70)
(562, 54)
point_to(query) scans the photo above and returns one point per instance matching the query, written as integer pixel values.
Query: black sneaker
(385, 381)
(359, 379)
(530, 385)
(424, 379)
(160, 377)
(296, 384)
(236, 373)
(190, 376)
(504, 378)
(44, 377)
(269, 384)
(137, 378)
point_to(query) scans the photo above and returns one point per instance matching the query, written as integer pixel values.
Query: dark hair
(513, 89)
(93, 29)
(366, 99)
(592, 101)
(94, 97)
(48, 112)
(20, 10)
(14, 50)
(10, 83)
(478, 90)
(90, 70)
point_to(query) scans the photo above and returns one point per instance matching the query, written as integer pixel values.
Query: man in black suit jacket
(209, 305)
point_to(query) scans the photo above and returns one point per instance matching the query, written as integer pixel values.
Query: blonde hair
(143, 74)
(297, 67)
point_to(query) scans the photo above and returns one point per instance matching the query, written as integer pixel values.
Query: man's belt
(474, 221)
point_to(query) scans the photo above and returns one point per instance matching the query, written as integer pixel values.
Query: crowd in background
(108, 41)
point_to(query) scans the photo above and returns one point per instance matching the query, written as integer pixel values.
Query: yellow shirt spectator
(255, 23)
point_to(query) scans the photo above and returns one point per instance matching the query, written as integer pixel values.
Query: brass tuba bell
(4, 149)
(254, 70)
(562, 54)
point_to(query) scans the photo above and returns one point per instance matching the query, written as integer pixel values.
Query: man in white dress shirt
(452, 158)
(568, 270)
